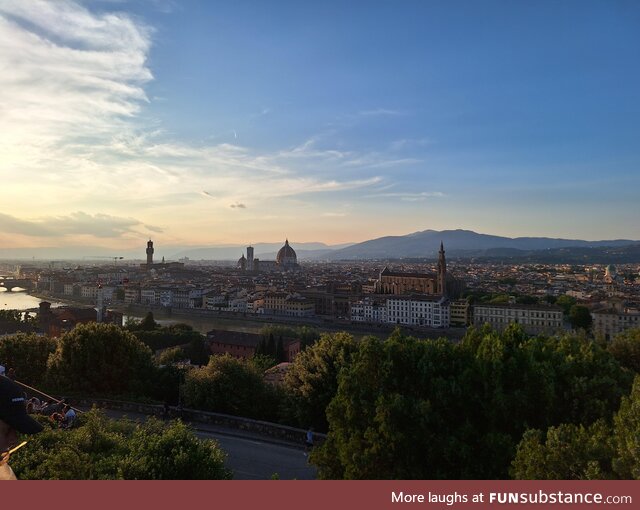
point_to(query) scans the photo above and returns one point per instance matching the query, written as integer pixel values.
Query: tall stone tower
(150, 253)
(442, 271)
(250, 258)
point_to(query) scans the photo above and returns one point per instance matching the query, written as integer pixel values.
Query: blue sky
(206, 122)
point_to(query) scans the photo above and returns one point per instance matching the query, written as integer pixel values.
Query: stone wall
(263, 428)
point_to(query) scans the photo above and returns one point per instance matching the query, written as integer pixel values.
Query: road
(249, 456)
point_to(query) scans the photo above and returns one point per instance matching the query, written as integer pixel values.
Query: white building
(414, 310)
(533, 318)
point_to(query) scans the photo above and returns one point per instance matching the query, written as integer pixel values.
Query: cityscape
(363, 241)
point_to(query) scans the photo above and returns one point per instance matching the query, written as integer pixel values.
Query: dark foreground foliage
(102, 449)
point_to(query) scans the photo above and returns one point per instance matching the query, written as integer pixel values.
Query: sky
(201, 123)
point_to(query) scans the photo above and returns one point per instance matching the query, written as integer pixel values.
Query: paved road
(250, 456)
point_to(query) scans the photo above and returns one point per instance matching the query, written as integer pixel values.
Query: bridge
(11, 283)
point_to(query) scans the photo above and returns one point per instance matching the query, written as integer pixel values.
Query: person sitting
(69, 416)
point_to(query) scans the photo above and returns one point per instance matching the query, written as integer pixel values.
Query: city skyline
(202, 123)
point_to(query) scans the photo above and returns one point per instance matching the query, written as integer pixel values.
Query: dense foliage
(599, 451)
(100, 448)
(408, 408)
(100, 358)
(27, 355)
(231, 386)
(312, 379)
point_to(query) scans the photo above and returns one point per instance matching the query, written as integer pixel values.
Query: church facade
(400, 283)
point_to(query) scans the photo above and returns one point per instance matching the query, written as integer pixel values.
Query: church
(399, 283)
(286, 260)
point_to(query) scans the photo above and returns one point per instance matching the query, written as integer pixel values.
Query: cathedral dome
(286, 255)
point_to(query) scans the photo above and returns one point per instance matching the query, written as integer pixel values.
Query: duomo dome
(286, 255)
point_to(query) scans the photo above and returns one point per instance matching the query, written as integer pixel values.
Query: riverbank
(207, 320)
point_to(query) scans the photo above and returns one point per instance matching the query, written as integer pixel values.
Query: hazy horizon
(207, 123)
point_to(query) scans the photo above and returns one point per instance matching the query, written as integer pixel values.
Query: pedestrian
(13, 419)
(11, 374)
(308, 442)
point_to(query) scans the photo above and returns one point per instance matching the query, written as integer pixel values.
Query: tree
(231, 386)
(27, 355)
(626, 430)
(565, 302)
(100, 358)
(148, 323)
(98, 448)
(580, 317)
(625, 347)
(430, 409)
(171, 355)
(565, 452)
(312, 379)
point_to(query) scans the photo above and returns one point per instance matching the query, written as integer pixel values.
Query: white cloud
(72, 85)
(75, 224)
(409, 197)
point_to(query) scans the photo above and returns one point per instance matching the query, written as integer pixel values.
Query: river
(19, 300)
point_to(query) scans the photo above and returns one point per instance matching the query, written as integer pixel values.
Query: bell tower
(442, 271)
(150, 253)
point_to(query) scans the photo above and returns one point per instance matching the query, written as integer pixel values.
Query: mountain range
(419, 245)
(426, 244)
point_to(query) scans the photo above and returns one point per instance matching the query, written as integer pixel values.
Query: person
(13, 419)
(69, 416)
(308, 441)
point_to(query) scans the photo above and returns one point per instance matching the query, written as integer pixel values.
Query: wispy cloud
(409, 197)
(75, 224)
(376, 112)
(71, 137)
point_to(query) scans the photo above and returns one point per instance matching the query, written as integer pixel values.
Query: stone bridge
(10, 283)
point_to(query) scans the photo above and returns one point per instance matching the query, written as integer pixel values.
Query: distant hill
(426, 244)
(264, 251)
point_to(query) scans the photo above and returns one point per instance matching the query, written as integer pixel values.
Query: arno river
(19, 300)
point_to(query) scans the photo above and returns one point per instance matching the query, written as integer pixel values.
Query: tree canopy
(100, 358)
(98, 448)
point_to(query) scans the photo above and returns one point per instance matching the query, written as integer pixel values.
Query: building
(534, 319)
(460, 310)
(419, 310)
(610, 322)
(286, 260)
(413, 310)
(292, 305)
(370, 309)
(150, 264)
(400, 283)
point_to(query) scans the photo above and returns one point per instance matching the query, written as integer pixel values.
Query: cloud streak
(76, 224)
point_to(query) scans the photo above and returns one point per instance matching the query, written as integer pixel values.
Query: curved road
(249, 456)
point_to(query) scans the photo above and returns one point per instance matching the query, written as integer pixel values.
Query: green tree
(565, 452)
(625, 347)
(580, 317)
(99, 448)
(626, 462)
(100, 358)
(565, 302)
(312, 379)
(27, 355)
(430, 409)
(148, 323)
(231, 386)
(171, 355)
